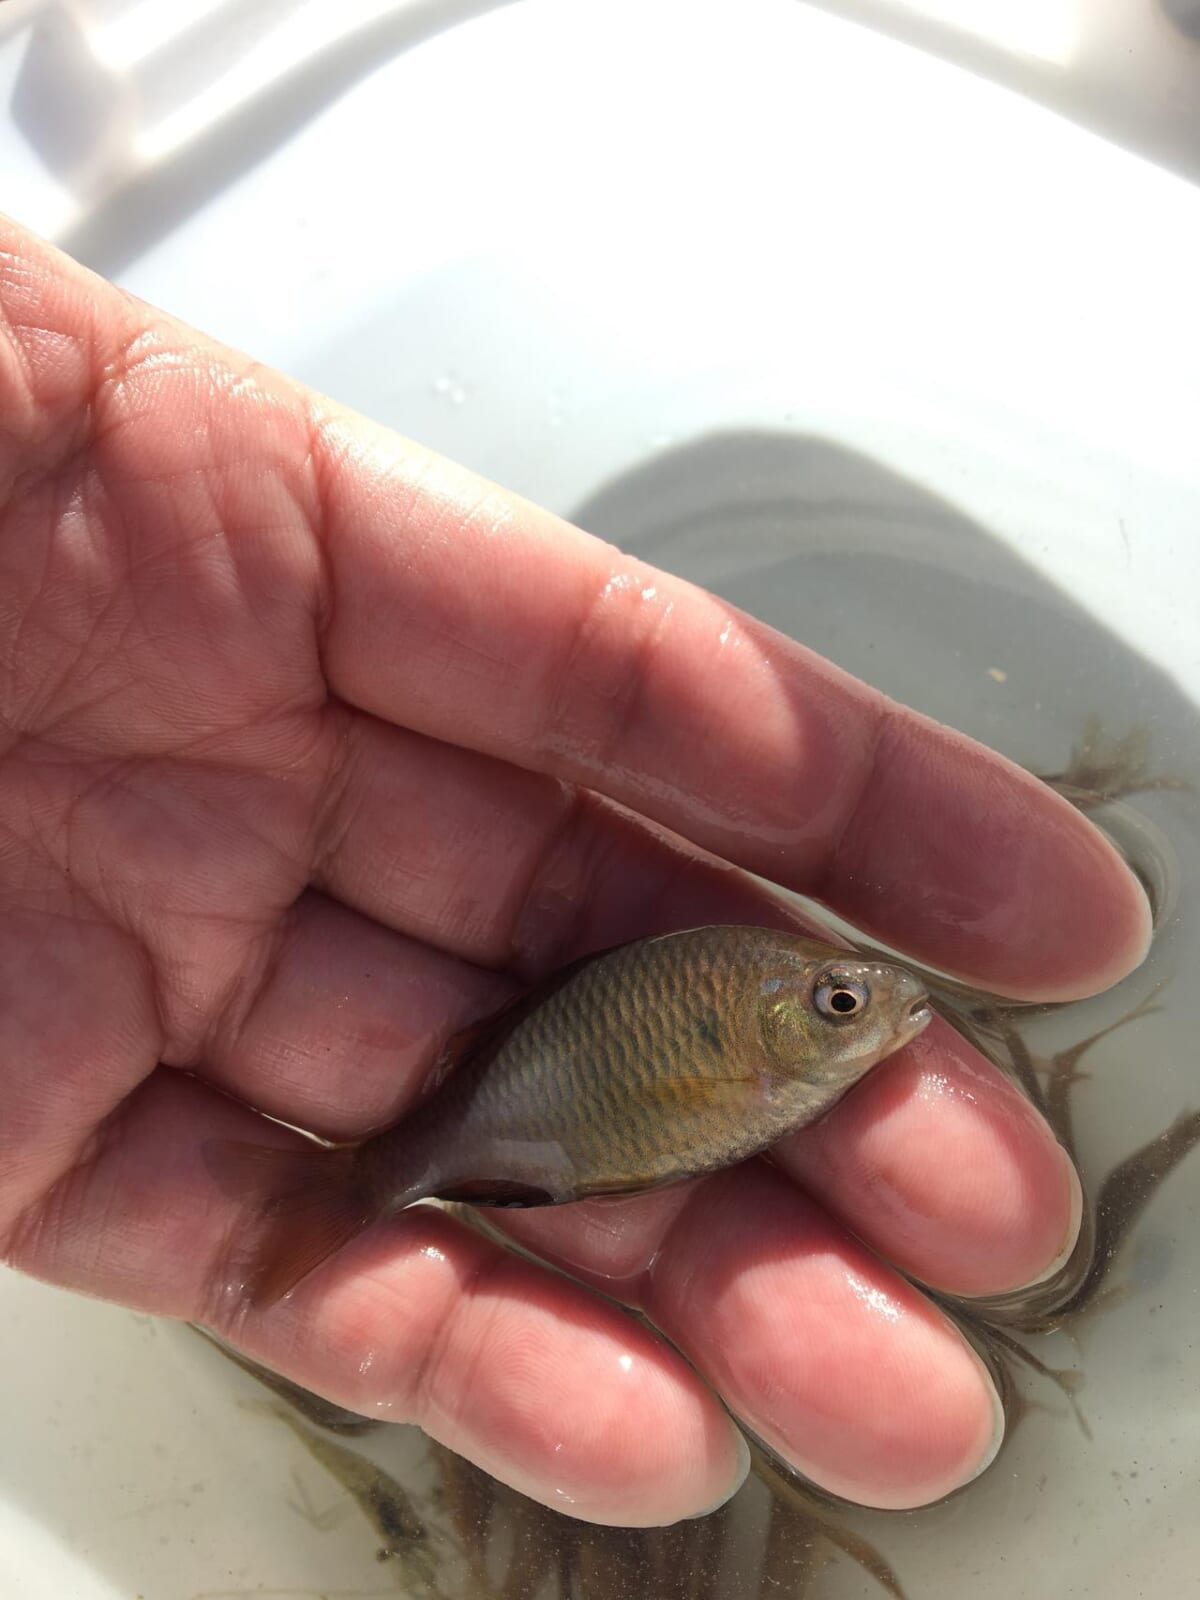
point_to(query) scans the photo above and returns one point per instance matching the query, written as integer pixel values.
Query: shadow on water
(896, 586)
(1185, 14)
(84, 136)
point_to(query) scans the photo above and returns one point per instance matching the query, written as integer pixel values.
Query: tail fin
(310, 1202)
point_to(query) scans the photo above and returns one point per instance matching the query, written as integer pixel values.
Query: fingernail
(1148, 920)
(999, 1421)
(1074, 1223)
(741, 1473)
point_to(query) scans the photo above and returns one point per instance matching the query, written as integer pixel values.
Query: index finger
(462, 612)
(466, 613)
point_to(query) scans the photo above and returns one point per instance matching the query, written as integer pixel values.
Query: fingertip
(1089, 923)
(1072, 1209)
(844, 1370)
(992, 876)
(605, 1423)
(944, 1167)
(742, 1463)
(992, 1427)
(552, 1390)
(1074, 1225)
(1120, 946)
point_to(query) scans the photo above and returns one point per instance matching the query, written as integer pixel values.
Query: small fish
(629, 1069)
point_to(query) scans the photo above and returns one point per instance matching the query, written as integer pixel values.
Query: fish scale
(645, 1065)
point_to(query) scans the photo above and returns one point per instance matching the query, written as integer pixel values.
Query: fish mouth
(920, 1014)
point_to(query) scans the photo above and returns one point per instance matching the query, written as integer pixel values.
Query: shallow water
(1093, 1491)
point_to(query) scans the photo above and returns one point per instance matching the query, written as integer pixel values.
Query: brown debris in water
(1102, 768)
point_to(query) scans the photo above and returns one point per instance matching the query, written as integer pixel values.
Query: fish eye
(840, 997)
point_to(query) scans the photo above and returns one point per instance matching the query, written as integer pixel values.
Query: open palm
(312, 745)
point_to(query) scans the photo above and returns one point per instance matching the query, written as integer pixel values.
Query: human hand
(313, 745)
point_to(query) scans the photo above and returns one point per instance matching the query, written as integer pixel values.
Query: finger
(341, 1020)
(78, 1031)
(942, 1166)
(504, 867)
(525, 639)
(841, 1366)
(338, 1020)
(564, 655)
(532, 1378)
